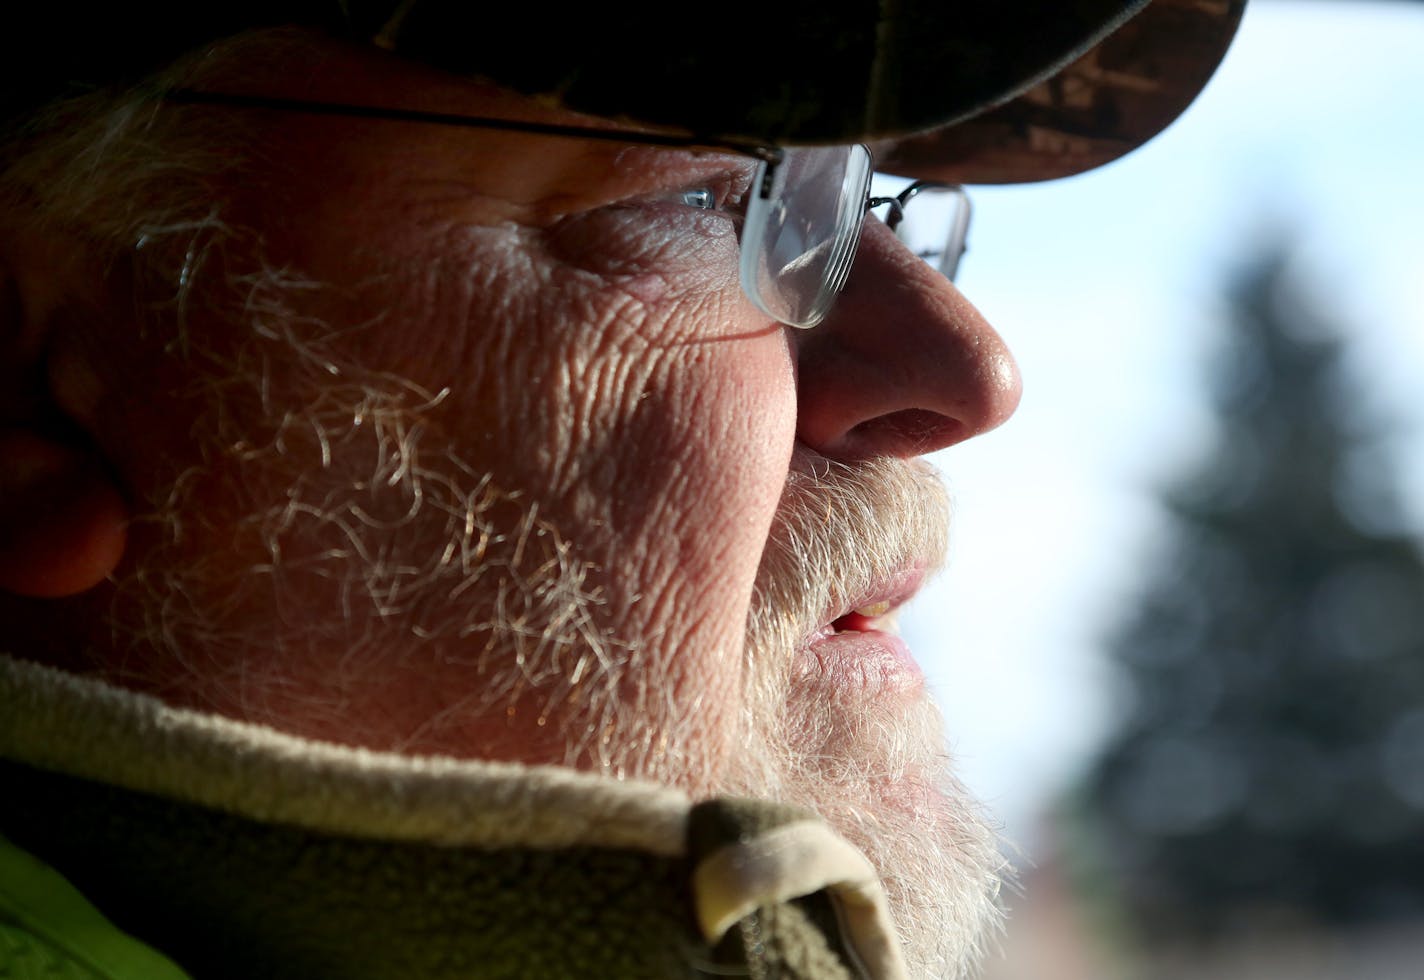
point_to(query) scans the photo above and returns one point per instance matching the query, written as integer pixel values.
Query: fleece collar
(728, 870)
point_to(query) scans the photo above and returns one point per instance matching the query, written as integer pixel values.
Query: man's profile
(460, 470)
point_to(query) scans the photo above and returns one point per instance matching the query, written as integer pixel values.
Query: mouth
(877, 608)
(859, 648)
(877, 617)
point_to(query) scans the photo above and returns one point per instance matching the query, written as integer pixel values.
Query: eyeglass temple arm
(770, 155)
(900, 201)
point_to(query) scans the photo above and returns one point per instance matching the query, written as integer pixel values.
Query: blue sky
(1105, 285)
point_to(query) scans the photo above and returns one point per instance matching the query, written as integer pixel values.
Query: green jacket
(240, 852)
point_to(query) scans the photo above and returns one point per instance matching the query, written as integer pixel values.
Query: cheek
(608, 370)
(681, 448)
(711, 441)
(691, 477)
(660, 439)
(629, 376)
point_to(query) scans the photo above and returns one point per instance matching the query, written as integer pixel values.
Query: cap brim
(784, 72)
(1124, 91)
(1009, 90)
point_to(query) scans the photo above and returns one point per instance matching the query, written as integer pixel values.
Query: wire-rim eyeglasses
(802, 224)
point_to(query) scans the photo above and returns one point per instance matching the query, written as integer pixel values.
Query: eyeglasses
(802, 222)
(938, 230)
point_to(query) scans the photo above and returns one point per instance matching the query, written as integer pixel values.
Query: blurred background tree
(1271, 757)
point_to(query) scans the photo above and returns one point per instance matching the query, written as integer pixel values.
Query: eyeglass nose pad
(893, 216)
(945, 252)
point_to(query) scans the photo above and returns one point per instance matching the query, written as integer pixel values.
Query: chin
(882, 778)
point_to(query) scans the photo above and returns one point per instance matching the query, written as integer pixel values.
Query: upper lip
(890, 592)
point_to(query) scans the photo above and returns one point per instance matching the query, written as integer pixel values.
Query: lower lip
(869, 664)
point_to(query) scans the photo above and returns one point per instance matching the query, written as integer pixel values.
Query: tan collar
(118, 782)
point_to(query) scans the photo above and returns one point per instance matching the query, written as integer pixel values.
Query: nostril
(909, 431)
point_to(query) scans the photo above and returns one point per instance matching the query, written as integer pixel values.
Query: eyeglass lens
(800, 233)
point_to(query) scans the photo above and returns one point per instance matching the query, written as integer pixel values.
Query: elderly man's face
(466, 441)
(581, 402)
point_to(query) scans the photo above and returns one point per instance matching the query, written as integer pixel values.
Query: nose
(902, 365)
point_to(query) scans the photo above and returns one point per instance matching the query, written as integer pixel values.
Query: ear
(63, 517)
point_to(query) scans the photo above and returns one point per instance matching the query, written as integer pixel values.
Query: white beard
(881, 777)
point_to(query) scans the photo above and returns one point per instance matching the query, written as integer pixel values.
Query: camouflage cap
(1122, 92)
(997, 91)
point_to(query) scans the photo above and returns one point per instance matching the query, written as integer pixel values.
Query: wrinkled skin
(596, 356)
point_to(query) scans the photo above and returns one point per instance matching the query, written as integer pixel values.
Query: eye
(723, 193)
(700, 197)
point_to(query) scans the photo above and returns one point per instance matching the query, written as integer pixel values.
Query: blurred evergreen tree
(1272, 759)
